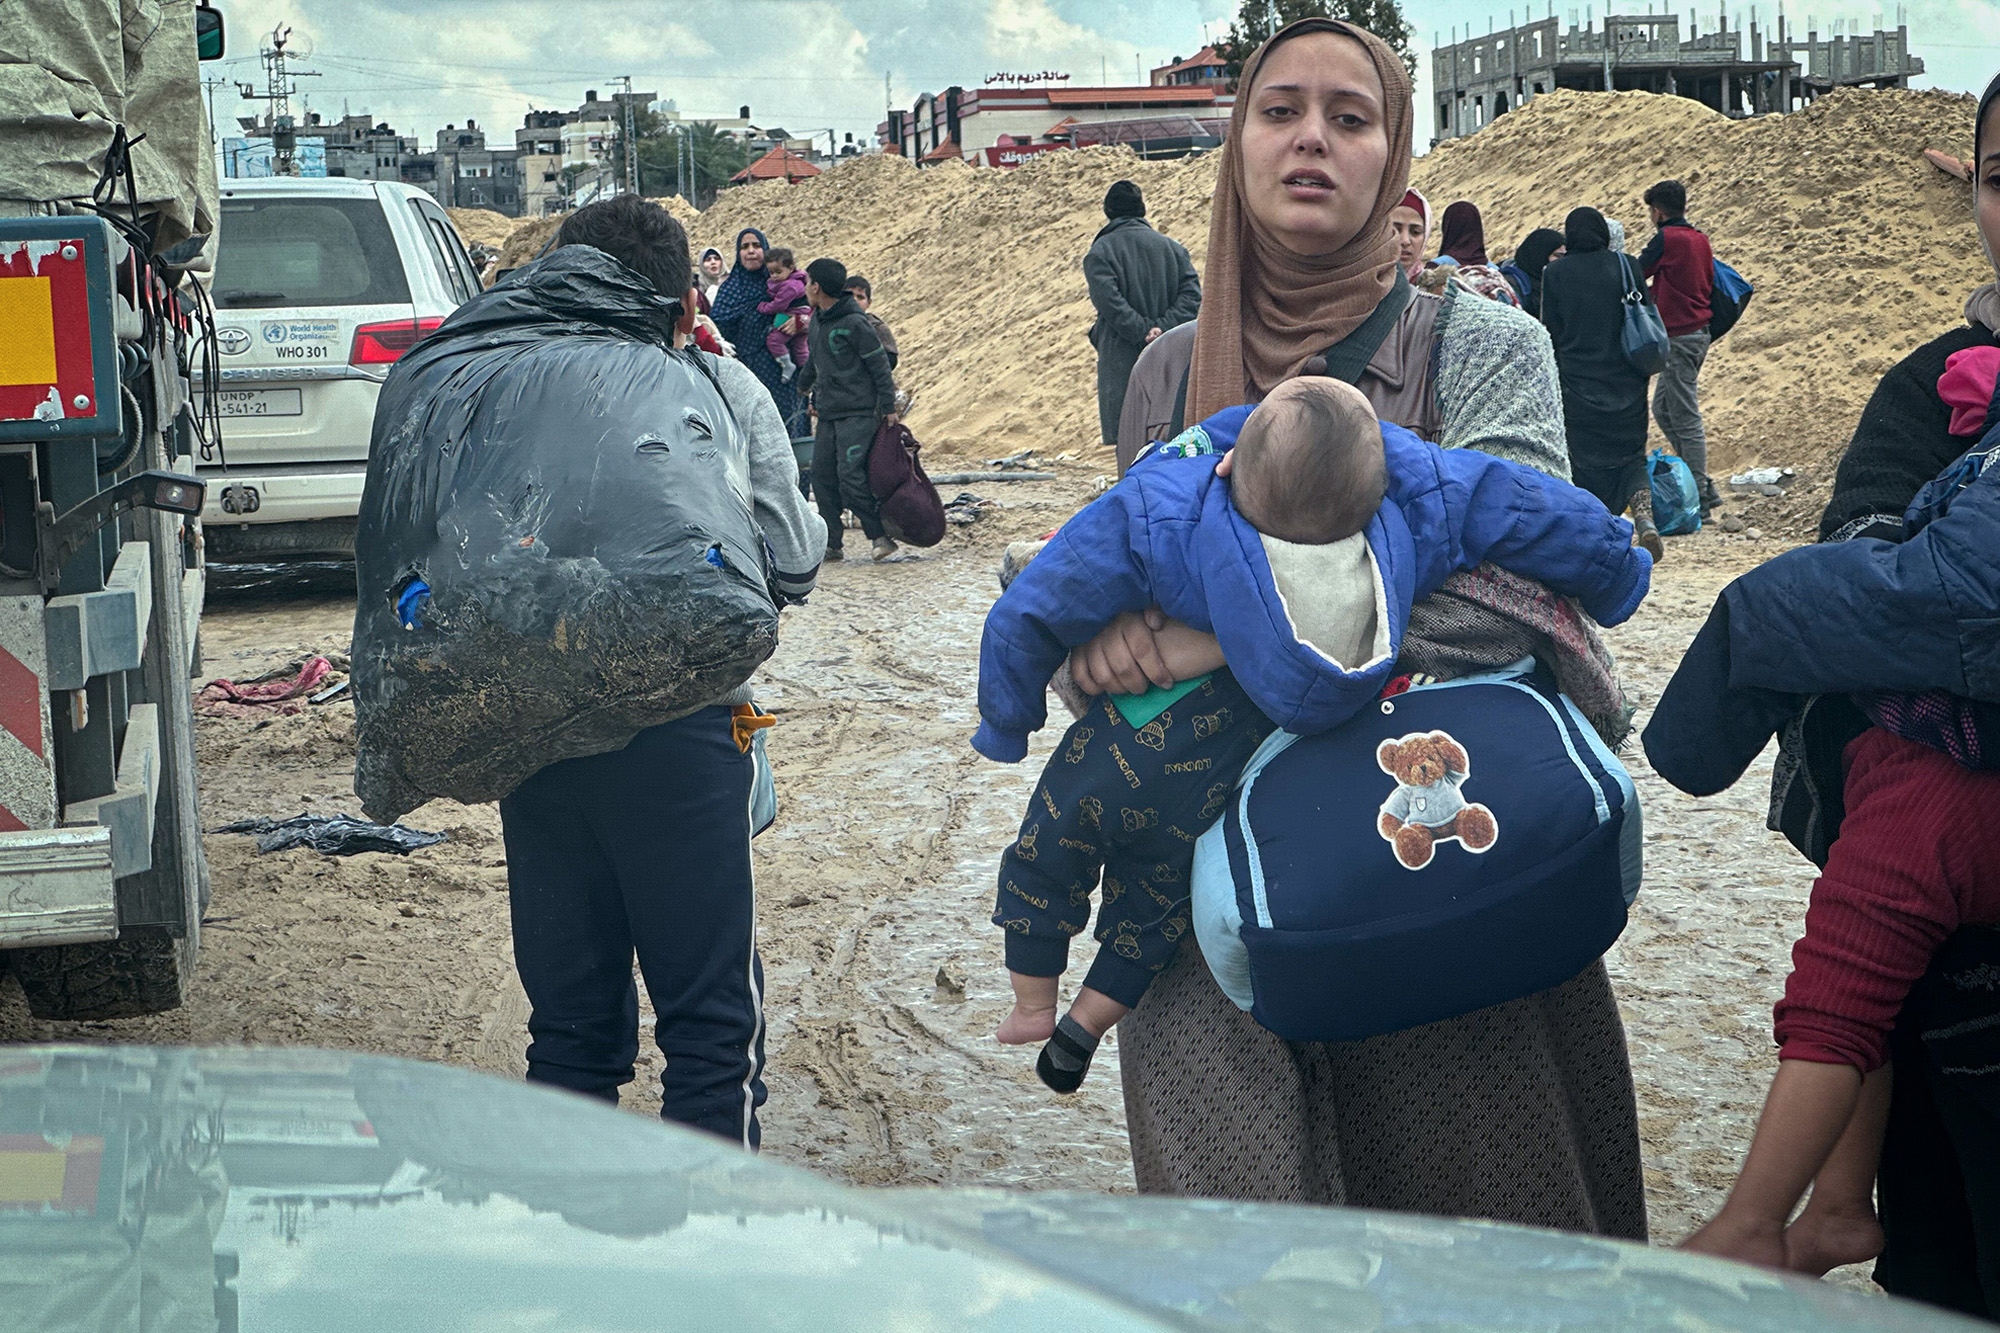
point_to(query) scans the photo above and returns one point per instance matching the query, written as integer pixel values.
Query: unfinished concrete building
(1480, 78)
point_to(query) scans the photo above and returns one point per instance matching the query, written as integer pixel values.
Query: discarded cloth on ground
(335, 835)
(279, 695)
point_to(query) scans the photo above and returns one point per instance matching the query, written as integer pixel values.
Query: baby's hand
(1027, 1024)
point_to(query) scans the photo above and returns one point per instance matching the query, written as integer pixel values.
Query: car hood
(303, 1190)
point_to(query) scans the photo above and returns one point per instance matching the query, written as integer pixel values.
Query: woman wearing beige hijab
(1523, 1112)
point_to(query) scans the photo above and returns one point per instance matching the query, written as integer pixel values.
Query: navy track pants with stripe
(643, 851)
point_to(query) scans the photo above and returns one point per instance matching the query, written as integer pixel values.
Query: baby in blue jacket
(1301, 548)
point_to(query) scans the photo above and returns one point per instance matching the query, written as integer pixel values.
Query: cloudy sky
(819, 65)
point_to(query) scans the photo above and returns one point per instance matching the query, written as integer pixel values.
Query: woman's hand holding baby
(1141, 649)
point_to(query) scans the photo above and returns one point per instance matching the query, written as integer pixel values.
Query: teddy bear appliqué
(1427, 808)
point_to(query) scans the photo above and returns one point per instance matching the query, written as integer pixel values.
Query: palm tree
(1253, 26)
(716, 156)
(664, 146)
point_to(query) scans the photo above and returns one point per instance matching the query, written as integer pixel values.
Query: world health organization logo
(274, 333)
(234, 341)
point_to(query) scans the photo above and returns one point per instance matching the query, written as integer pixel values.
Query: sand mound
(1858, 248)
(521, 239)
(527, 238)
(1859, 251)
(688, 215)
(980, 273)
(482, 226)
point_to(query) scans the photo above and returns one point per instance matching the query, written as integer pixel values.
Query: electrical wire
(590, 73)
(206, 420)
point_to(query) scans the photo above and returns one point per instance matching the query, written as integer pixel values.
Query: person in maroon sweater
(1682, 268)
(1900, 961)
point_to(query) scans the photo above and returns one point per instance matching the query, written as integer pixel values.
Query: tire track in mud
(883, 1064)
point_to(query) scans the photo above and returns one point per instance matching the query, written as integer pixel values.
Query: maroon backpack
(911, 509)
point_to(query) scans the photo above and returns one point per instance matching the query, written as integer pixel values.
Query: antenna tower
(280, 82)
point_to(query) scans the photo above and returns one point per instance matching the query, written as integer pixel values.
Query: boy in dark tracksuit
(854, 391)
(644, 852)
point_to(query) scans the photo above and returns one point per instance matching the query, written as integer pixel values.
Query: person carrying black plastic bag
(853, 390)
(642, 849)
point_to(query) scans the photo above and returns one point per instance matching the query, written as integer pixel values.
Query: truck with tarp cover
(108, 206)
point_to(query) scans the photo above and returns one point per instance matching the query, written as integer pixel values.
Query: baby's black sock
(1066, 1058)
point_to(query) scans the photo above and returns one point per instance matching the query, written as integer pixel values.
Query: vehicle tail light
(380, 344)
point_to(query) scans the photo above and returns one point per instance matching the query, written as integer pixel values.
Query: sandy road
(884, 981)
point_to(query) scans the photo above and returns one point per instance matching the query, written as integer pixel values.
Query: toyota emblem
(234, 341)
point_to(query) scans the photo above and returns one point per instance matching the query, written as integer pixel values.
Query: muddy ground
(884, 980)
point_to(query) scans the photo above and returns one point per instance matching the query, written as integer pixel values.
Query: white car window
(447, 274)
(460, 275)
(279, 252)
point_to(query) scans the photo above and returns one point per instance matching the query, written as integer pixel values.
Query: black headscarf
(740, 292)
(1985, 304)
(1585, 230)
(1531, 257)
(1464, 236)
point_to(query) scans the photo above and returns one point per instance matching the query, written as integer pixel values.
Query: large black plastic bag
(577, 499)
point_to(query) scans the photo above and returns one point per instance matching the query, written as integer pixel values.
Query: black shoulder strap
(1346, 359)
(1349, 357)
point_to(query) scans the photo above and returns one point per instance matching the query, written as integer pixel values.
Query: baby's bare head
(1309, 467)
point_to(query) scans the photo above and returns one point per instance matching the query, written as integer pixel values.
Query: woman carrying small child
(736, 313)
(1874, 654)
(789, 313)
(1523, 1111)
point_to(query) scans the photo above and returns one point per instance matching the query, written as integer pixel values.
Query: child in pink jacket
(788, 311)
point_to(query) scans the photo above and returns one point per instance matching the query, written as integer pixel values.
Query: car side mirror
(208, 37)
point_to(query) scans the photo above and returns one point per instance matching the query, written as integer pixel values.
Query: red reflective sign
(45, 359)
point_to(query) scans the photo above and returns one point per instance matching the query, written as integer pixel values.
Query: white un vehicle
(319, 286)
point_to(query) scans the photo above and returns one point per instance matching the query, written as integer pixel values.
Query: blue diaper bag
(1451, 847)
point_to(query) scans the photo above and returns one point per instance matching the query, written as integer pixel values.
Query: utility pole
(684, 162)
(214, 139)
(1609, 78)
(889, 115)
(631, 136)
(280, 82)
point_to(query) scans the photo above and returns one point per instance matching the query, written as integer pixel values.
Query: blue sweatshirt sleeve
(1465, 507)
(1090, 571)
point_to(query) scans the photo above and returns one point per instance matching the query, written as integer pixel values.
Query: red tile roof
(944, 152)
(780, 164)
(1204, 57)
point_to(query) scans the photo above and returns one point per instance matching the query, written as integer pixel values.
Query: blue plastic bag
(1676, 498)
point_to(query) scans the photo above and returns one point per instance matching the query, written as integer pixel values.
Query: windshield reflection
(183, 1191)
